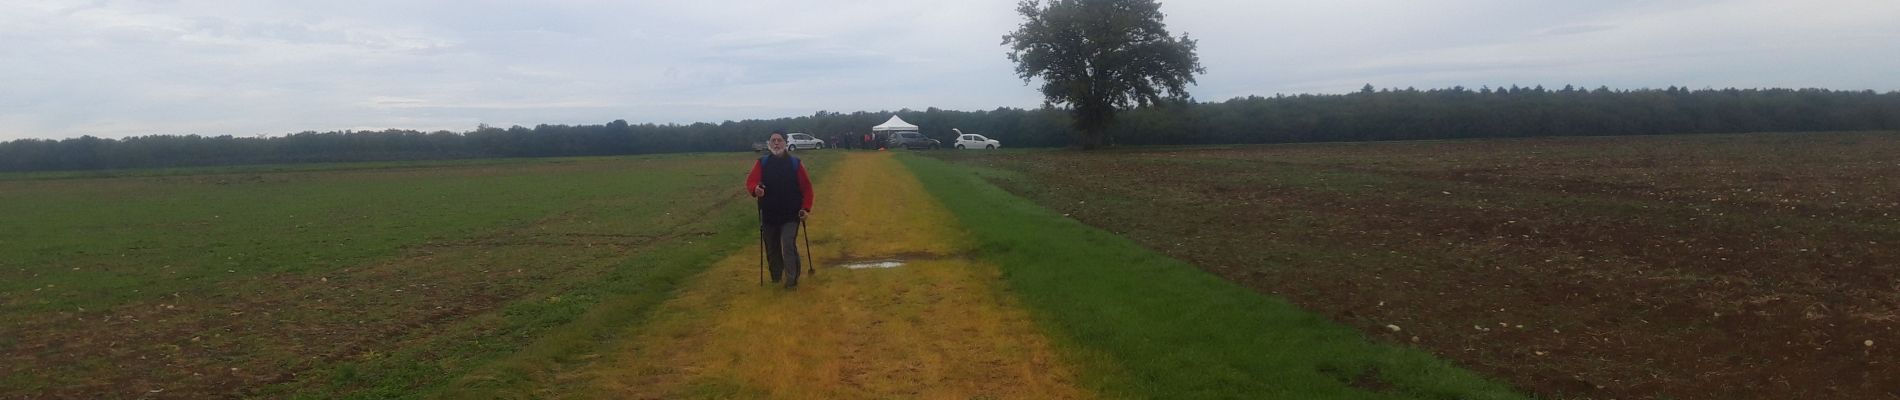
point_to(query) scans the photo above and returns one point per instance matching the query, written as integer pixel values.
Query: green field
(336, 280)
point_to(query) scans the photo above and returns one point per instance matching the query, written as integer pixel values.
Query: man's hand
(758, 191)
(802, 214)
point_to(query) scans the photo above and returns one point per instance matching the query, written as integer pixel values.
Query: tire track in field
(938, 327)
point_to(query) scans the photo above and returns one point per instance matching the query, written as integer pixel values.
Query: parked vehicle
(803, 141)
(913, 141)
(969, 141)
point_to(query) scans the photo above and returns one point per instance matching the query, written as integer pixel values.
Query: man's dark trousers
(781, 251)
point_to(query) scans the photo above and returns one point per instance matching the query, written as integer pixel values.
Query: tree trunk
(1093, 138)
(1091, 124)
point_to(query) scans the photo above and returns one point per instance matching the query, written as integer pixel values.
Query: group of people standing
(849, 141)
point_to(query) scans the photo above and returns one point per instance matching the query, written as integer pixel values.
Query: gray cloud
(113, 69)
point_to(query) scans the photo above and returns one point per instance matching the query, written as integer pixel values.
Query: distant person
(870, 142)
(779, 182)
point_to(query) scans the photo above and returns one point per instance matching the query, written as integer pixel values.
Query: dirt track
(936, 327)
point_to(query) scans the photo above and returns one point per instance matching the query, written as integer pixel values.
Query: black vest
(783, 197)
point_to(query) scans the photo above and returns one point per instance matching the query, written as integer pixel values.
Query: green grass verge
(1142, 325)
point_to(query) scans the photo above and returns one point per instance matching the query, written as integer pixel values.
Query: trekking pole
(761, 257)
(809, 266)
(761, 250)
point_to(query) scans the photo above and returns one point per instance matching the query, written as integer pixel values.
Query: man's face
(776, 143)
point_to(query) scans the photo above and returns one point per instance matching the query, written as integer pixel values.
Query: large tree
(1099, 56)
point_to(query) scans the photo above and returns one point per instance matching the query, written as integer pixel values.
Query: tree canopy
(1100, 56)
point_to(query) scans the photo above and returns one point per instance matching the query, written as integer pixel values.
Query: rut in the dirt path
(936, 327)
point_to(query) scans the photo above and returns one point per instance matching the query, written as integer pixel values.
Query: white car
(977, 142)
(797, 141)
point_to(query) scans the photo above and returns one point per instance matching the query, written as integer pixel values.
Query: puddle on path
(887, 263)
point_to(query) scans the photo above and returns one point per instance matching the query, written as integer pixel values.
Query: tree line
(1458, 112)
(1366, 115)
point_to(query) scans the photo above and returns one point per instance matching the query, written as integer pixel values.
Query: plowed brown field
(1754, 266)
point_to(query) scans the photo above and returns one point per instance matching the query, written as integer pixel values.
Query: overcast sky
(114, 69)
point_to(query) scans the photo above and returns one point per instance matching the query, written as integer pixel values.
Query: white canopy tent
(895, 124)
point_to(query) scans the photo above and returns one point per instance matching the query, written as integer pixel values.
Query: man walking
(779, 182)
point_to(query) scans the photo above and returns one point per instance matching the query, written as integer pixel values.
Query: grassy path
(938, 327)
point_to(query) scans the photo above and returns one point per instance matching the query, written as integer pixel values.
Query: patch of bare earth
(1718, 267)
